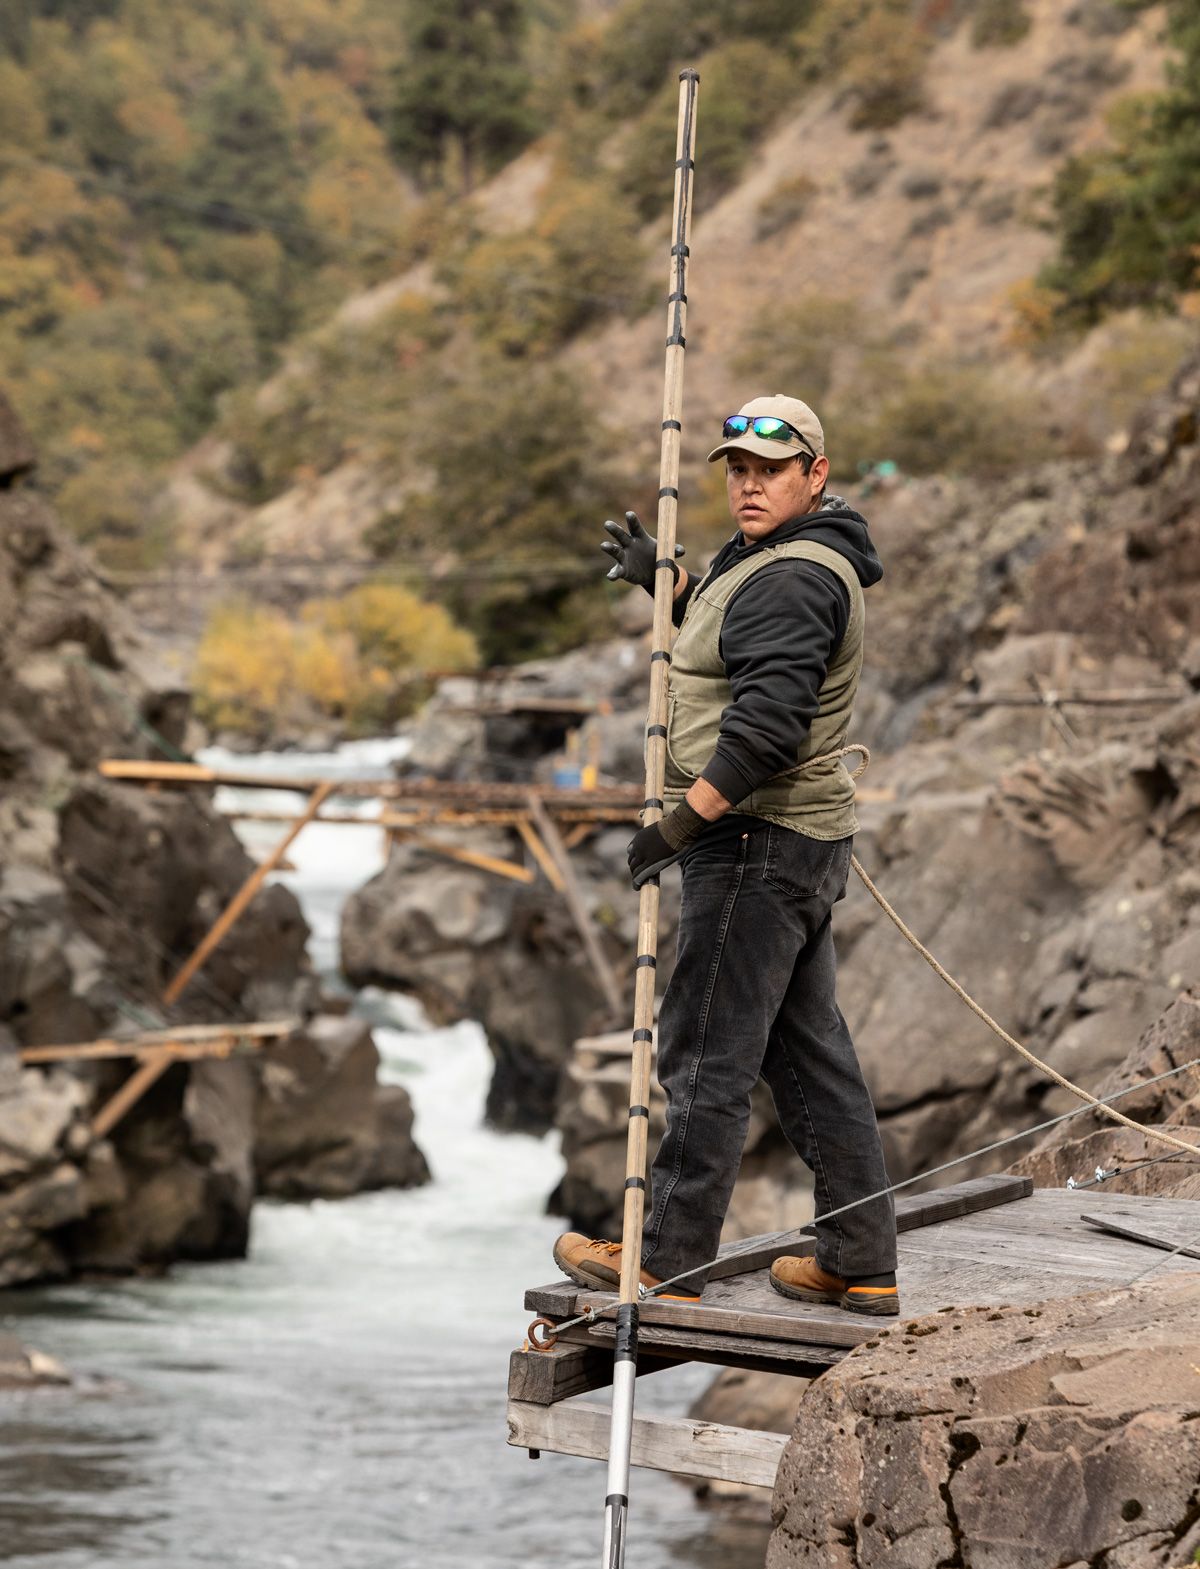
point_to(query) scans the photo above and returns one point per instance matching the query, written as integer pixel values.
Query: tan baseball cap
(797, 414)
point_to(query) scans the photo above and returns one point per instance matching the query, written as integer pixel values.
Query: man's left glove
(658, 845)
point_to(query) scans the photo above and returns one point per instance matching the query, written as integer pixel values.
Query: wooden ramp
(993, 1241)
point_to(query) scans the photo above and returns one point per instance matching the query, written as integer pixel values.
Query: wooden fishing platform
(992, 1241)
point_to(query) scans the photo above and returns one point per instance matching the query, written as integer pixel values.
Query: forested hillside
(356, 281)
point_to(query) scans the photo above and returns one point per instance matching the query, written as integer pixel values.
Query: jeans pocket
(796, 864)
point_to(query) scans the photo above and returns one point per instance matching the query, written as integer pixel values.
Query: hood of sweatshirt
(836, 525)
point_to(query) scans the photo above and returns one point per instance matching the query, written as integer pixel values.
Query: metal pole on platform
(616, 1504)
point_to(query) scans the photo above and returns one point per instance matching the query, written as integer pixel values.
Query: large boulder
(46, 1168)
(185, 1158)
(471, 944)
(323, 1126)
(1007, 1438)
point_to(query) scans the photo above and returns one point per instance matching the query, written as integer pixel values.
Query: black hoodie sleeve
(681, 604)
(780, 632)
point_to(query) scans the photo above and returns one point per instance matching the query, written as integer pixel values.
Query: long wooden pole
(616, 1506)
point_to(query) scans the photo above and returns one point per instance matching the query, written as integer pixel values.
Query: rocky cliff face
(1009, 1438)
(104, 890)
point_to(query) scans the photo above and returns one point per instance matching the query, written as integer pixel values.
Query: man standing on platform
(760, 812)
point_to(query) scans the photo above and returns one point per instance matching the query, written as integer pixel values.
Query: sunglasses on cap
(769, 426)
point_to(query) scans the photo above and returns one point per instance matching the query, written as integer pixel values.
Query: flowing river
(336, 1399)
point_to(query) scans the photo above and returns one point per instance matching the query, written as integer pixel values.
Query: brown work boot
(596, 1263)
(805, 1281)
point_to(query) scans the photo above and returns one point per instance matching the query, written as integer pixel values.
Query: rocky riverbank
(1062, 1433)
(104, 890)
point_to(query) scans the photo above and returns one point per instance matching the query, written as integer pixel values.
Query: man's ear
(819, 472)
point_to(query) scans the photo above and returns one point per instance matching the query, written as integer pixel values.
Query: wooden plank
(544, 1377)
(438, 794)
(452, 852)
(244, 895)
(757, 1354)
(912, 1211)
(190, 1040)
(678, 1444)
(1010, 1255)
(1124, 1229)
(738, 1258)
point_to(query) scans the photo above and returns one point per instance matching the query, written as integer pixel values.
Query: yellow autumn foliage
(362, 660)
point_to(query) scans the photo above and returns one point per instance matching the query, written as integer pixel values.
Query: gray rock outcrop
(323, 1125)
(104, 890)
(1007, 1438)
(473, 945)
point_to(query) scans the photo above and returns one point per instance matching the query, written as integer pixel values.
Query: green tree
(1128, 215)
(515, 466)
(243, 219)
(461, 104)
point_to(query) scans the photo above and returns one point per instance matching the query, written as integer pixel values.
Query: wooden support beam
(228, 917)
(134, 1087)
(580, 914)
(758, 1354)
(454, 852)
(912, 1211)
(181, 1040)
(619, 802)
(540, 853)
(679, 1444)
(544, 1377)
(95, 1051)
(1135, 1232)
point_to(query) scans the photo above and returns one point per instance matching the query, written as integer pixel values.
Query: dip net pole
(616, 1504)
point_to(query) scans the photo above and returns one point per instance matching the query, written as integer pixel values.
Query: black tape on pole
(626, 1332)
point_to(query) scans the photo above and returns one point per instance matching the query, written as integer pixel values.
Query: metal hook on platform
(535, 1339)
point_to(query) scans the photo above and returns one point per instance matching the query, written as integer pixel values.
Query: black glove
(635, 552)
(658, 845)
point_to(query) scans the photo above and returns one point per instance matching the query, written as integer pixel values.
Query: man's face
(765, 492)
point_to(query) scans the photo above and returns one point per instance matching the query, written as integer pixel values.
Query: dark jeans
(753, 993)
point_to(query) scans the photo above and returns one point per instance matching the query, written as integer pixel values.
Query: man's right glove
(634, 552)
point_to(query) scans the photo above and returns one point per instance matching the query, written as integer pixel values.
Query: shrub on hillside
(877, 51)
(616, 70)
(784, 205)
(999, 23)
(1139, 361)
(745, 86)
(1128, 215)
(939, 417)
(796, 348)
(583, 260)
(515, 497)
(361, 660)
(295, 427)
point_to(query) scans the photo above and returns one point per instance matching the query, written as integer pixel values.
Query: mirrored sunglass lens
(773, 429)
(736, 425)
